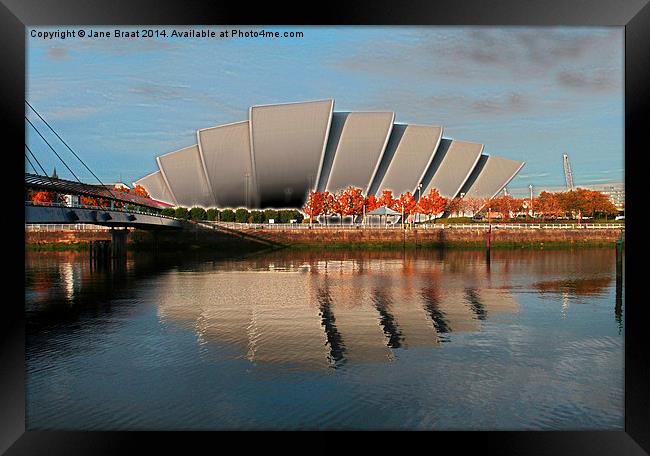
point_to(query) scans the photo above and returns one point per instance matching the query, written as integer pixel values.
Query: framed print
(373, 219)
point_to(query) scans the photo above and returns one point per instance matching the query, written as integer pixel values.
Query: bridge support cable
(66, 145)
(50, 146)
(35, 159)
(30, 163)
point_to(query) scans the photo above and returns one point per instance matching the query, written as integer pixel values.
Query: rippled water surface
(326, 340)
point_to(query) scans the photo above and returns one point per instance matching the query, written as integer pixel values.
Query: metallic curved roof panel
(451, 167)
(225, 150)
(157, 188)
(409, 153)
(184, 173)
(491, 176)
(287, 148)
(359, 149)
(336, 128)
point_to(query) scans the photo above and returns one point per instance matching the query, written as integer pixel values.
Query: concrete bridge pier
(118, 242)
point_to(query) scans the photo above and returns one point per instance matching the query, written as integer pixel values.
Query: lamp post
(462, 195)
(419, 196)
(531, 199)
(489, 229)
(246, 189)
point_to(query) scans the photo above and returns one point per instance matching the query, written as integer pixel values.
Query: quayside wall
(344, 237)
(438, 236)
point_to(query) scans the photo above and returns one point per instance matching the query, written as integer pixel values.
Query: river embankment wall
(440, 236)
(334, 237)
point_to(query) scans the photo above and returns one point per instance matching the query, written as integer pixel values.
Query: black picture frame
(634, 15)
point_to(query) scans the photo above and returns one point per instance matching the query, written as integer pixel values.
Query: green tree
(296, 215)
(256, 217)
(271, 214)
(182, 213)
(283, 216)
(212, 214)
(198, 213)
(227, 215)
(241, 215)
(168, 212)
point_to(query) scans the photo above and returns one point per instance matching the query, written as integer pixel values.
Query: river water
(444, 340)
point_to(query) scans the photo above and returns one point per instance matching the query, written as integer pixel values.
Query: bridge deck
(59, 214)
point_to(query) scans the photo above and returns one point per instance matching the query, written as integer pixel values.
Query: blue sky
(526, 93)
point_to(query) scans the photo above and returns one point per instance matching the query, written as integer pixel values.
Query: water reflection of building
(317, 314)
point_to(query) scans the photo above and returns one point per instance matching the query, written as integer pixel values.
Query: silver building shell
(184, 174)
(226, 154)
(490, 176)
(356, 148)
(283, 151)
(408, 155)
(451, 167)
(287, 145)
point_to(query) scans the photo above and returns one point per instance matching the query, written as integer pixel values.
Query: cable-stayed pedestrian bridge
(116, 209)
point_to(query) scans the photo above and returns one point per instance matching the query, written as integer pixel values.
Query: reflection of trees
(575, 286)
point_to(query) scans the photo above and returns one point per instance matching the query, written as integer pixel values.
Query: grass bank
(57, 247)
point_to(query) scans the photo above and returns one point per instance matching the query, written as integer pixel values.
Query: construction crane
(568, 175)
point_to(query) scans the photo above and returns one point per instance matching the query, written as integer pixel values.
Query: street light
(531, 199)
(419, 196)
(246, 176)
(462, 195)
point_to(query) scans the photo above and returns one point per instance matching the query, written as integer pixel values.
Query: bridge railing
(97, 208)
(40, 227)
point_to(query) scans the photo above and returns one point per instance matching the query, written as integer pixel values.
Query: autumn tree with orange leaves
(474, 205)
(351, 201)
(505, 204)
(432, 204)
(386, 199)
(405, 204)
(372, 203)
(455, 206)
(547, 205)
(140, 191)
(330, 204)
(314, 205)
(43, 197)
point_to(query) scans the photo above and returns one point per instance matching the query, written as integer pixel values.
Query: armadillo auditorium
(283, 151)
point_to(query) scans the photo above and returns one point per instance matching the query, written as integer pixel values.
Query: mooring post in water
(618, 309)
(99, 251)
(487, 238)
(118, 242)
(619, 257)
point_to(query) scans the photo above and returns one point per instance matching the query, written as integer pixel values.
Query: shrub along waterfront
(239, 215)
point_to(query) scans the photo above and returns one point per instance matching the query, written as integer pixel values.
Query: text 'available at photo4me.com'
(172, 33)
